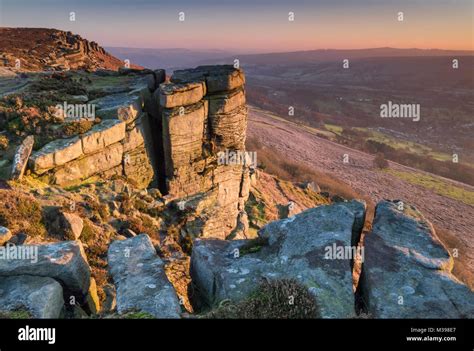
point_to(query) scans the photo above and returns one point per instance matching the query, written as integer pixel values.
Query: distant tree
(380, 161)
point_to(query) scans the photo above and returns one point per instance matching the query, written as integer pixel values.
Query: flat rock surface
(140, 279)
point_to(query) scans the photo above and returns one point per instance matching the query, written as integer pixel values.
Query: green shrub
(273, 299)
(253, 245)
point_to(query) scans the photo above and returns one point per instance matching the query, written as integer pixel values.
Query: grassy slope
(436, 184)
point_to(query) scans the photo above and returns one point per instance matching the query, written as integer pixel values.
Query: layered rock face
(204, 120)
(115, 146)
(187, 134)
(407, 270)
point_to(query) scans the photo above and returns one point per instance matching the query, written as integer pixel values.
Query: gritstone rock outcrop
(186, 135)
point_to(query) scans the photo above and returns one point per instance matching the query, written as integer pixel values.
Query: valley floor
(447, 204)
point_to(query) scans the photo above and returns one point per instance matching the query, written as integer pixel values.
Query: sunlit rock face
(204, 121)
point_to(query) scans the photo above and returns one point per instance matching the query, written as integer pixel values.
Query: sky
(254, 25)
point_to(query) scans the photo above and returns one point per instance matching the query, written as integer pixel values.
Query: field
(436, 184)
(447, 204)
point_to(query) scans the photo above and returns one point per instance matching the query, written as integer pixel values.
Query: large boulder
(66, 225)
(41, 297)
(306, 247)
(217, 78)
(406, 272)
(140, 279)
(65, 261)
(174, 95)
(203, 116)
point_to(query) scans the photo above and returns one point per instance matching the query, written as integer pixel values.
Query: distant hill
(168, 58)
(52, 49)
(312, 56)
(176, 58)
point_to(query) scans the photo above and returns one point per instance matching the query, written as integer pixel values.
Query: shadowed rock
(67, 225)
(41, 297)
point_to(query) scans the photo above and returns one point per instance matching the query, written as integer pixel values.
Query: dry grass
(4, 142)
(20, 212)
(276, 164)
(269, 194)
(461, 262)
(177, 271)
(97, 241)
(77, 127)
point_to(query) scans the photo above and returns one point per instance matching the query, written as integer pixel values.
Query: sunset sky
(254, 25)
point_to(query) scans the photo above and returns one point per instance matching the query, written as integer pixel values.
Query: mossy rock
(18, 314)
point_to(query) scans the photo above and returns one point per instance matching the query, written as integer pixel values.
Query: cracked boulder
(140, 279)
(407, 270)
(313, 247)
